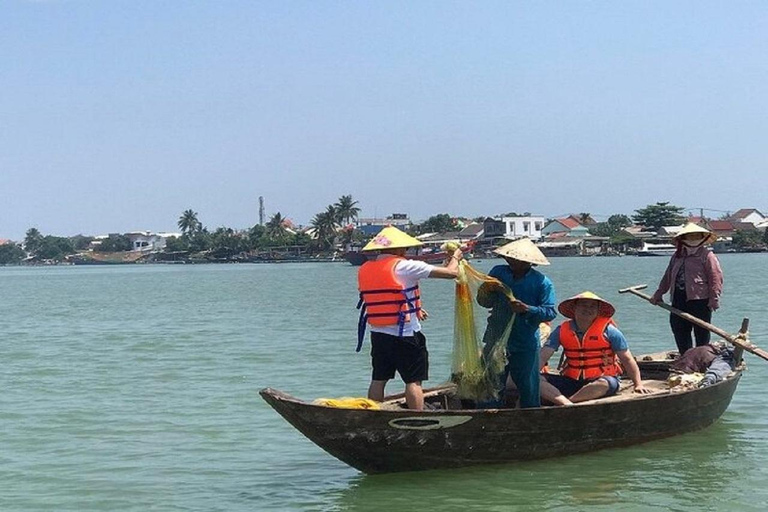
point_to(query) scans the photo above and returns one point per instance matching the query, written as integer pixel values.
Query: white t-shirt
(408, 272)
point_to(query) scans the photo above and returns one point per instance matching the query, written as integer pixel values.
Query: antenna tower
(261, 210)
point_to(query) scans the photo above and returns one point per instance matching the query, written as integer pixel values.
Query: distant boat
(657, 250)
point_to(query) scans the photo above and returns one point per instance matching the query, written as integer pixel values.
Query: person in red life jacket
(593, 347)
(695, 282)
(390, 305)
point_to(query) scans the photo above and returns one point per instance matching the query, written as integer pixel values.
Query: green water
(135, 388)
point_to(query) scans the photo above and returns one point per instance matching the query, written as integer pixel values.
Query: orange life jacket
(590, 357)
(383, 298)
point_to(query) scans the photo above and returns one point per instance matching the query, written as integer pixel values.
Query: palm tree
(325, 225)
(346, 209)
(188, 222)
(275, 227)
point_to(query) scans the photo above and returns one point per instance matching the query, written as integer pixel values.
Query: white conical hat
(523, 250)
(695, 228)
(567, 307)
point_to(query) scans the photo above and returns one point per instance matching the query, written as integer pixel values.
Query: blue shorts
(568, 386)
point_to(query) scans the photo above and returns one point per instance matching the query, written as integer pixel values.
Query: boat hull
(380, 441)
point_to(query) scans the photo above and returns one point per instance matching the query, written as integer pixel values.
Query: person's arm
(714, 280)
(544, 355)
(633, 371)
(451, 268)
(543, 312)
(664, 284)
(550, 347)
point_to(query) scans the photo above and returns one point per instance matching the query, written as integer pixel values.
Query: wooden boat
(396, 439)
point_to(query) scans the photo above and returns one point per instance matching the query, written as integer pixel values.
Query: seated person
(592, 344)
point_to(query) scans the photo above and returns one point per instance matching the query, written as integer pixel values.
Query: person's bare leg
(376, 390)
(593, 390)
(414, 396)
(551, 394)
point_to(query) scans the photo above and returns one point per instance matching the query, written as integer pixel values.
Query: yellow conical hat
(523, 250)
(391, 238)
(695, 228)
(568, 305)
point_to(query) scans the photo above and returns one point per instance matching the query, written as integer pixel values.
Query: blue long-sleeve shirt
(534, 289)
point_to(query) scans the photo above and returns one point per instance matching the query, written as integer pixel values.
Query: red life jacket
(590, 357)
(383, 298)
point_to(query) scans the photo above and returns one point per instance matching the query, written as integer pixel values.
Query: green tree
(276, 226)
(11, 253)
(188, 222)
(438, 224)
(751, 239)
(54, 248)
(619, 221)
(346, 209)
(257, 237)
(32, 240)
(325, 226)
(200, 240)
(81, 242)
(225, 243)
(115, 243)
(176, 244)
(656, 216)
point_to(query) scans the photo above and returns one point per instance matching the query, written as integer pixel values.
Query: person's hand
(422, 314)
(655, 299)
(639, 388)
(519, 307)
(713, 305)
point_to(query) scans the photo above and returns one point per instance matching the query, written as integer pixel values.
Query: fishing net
(479, 347)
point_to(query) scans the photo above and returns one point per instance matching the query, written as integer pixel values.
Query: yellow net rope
(478, 359)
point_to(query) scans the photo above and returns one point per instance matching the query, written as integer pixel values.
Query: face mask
(693, 243)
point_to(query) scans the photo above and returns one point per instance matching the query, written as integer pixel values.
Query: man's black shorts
(407, 355)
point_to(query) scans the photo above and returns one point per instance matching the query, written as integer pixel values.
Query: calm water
(135, 388)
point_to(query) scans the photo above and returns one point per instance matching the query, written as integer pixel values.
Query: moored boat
(451, 434)
(657, 250)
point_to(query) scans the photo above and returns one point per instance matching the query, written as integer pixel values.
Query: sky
(119, 115)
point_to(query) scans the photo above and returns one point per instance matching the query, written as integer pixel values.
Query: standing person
(534, 303)
(391, 305)
(592, 346)
(695, 282)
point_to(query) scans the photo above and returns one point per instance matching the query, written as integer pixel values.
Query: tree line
(332, 226)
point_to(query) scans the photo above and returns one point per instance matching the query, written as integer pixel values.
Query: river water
(136, 388)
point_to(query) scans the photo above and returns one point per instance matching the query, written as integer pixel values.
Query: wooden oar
(739, 341)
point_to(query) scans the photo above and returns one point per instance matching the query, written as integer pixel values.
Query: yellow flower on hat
(391, 238)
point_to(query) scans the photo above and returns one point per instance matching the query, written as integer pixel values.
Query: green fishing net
(479, 349)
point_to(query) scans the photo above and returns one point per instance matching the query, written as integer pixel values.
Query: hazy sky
(118, 115)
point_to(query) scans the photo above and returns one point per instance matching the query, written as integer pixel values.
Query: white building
(528, 226)
(147, 241)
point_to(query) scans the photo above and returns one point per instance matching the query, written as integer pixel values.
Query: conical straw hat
(523, 250)
(568, 305)
(695, 228)
(391, 238)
